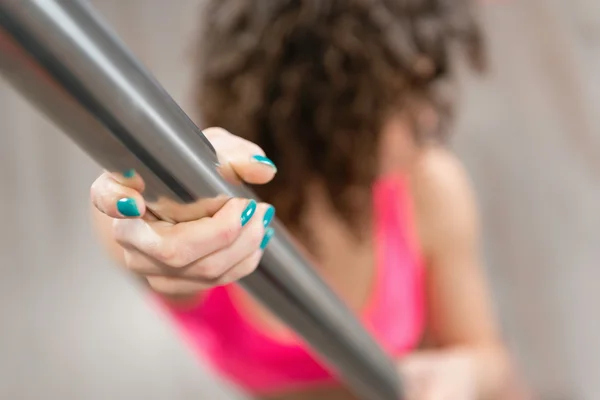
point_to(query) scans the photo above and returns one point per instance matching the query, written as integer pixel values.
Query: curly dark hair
(313, 81)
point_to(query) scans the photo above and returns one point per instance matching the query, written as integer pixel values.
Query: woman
(343, 97)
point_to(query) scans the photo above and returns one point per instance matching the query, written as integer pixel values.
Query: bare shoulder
(445, 203)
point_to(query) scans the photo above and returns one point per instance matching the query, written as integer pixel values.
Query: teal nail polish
(128, 207)
(268, 235)
(130, 173)
(269, 214)
(248, 212)
(264, 160)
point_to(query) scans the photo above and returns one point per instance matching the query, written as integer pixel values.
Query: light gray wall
(529, 135)
(74, 328)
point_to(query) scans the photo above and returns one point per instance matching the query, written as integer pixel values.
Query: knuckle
(228, 233)
(214, 131)
(100, 181)
(131, 262)
(255, 236)
(127, 232)
(98, 193)
(170, 247)
(120, 231)
(175, 254)
(256, 149)
(123, 237)
(240, 271)
(95, 188)
(102, 186)
(249, 267)
(166, 253)
(213, 271)
(166, 249)
(228, 278)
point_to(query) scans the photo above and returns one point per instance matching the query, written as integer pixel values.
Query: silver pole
(69, 64)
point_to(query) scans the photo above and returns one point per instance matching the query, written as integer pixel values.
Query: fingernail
(130, 173)
(268, 235)
(264, 160)
(128, 207)
(248, 212)
(269, 214)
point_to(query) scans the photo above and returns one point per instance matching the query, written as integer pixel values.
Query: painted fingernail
(268, 235)
(248, 212)
(264, 160)
(130, 173)
(128, 207)
(269, 214)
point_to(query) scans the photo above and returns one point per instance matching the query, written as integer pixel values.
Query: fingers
(215, 264)
(218, 263)
(255, 169)
(221, 267)
(183, 244)
(130, 179)
(240, 270)
(240, 160)
(118, 196)
(176, 287)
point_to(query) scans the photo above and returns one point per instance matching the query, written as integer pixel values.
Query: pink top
(249, 357)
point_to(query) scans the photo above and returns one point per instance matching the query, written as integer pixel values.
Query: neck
(398, 150)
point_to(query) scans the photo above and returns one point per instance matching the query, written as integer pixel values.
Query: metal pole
(68, 63)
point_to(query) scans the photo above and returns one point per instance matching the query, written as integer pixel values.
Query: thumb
(254, 169)
(239, 159)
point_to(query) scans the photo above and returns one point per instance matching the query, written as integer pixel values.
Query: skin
(464, 357)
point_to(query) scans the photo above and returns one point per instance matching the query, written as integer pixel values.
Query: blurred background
(74, 327)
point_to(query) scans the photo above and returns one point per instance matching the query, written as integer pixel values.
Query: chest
(348, 266)
(358, 267)
(379, 278)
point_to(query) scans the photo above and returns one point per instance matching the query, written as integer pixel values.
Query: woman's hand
(221, 239)
(441, 375)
